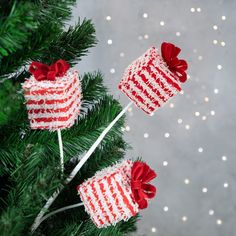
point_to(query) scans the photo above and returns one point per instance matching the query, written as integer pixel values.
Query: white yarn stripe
(170, 87)
(55, 114)
(149, 90)
(55, 123)
(98, 211)
(146, 99)
(87, 206)
(51, 106)
(120, 204)
(54, 96)
(110, 196)
(126, 213)
(161, 65)
(136, 101)
(127, 194)
(156, 85)
(103, 202)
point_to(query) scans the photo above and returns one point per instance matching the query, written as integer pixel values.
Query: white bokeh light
(109, 41)
(108, 18)
(204, 190)
(162, 23)
(165, 163)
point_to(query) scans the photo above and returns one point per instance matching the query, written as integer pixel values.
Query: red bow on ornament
(44, 72)
(177, 66)
(141, 175)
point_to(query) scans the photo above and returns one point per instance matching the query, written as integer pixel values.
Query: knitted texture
(53, 104)
(107, 196)
(148, 82)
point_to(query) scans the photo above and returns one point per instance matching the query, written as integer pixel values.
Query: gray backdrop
(191, 141)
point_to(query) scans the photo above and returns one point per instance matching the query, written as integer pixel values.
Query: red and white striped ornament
(155, 77)
(118, 192)
(53, 104)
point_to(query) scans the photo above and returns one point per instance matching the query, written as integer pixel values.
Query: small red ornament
(53, 96)
(154, 78)
(118, 192)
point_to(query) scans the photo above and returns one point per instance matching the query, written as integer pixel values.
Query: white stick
(61, 151)
(77, 168)
(59, 210)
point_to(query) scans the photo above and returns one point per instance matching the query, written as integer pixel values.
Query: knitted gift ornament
(118, 192)
(53, 96)
(155, 77)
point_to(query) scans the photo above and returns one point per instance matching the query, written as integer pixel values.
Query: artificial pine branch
(29, 158)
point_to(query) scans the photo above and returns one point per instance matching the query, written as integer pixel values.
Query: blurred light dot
(152, 114)
(162, 23)
(146, 36)
(180, 121)
(224, 158)
(215, 41)
(108, 18)
(197, 113)
(165, 163)
(199, 9)
(226, 185)
(200, 58)
(192, 9)
(178, 34)
(223, 17)
(112, 71)
(184, 218)
(146, 135)
(222, 43)
(213, 113)
(216, 91)
(211, 212)
(219, 222)
(122, 129)
(167, 135)
(195, 50)
(206, 99)
(215, 27)
(154, 230)
(172, 105)
(122, 54)
(140, 37)
(181, 92)
(200, 149)
(187, 127)
(186, 181)
(127, 128)
(204, 190)
(130, 109)
(204, 117)
(109, 41)
(145, 15)
(165, 208)
(219, 67)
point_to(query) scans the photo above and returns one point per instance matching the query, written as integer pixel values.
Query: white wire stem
(61, 151)
(77, 168)
(60, 210)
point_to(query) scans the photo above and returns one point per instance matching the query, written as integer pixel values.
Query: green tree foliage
(29, 172)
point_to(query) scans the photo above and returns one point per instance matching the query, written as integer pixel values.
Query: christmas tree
(29, 170)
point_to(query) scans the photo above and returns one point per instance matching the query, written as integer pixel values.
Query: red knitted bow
(44, 72)
(177, 66)
(141, 175)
